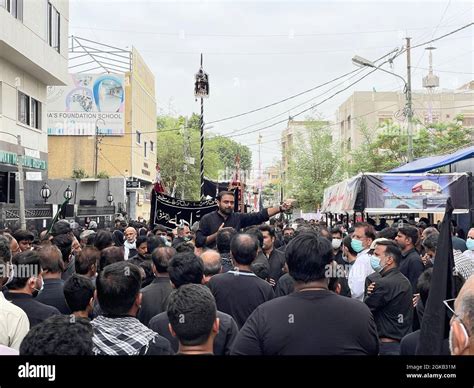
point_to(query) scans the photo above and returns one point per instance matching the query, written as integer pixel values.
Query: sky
(260, 52)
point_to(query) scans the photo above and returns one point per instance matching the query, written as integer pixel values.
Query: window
(29, 111)
(145, 148)
(139, 137)
(15, 7)
(54, 27)
(152, 146)
(23, 108)
(35, 116)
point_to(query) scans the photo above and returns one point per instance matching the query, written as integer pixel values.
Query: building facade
(373, 109)
(130, 153)
(33, 55)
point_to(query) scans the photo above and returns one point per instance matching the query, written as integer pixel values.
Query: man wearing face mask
(14, 321)
(390, 298)
(461, 342)
(336, 242)
(465, 263)
(362, 238)
(26, 284)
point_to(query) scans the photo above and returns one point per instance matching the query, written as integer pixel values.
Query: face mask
(375, 263)
(286, 239)
(470, 244)
(345, 258)
(336, 243)
(357, 245)
(466, 344)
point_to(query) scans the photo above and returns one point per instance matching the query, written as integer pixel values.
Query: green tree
(173, 141)
(79, 173)
(315, 165)
(385, 148)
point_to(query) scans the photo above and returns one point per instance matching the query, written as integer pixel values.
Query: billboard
(89, 103)
(341, 197)
(413, 193)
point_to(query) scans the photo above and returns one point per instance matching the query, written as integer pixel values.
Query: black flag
(435, 324)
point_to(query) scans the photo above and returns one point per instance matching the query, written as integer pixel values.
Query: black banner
(170, 211)
(212, 188)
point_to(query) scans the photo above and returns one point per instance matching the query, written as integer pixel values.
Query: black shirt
(53, 295)
(285, 285)
(222, 343)
(211, 222)
(238, 293)
(391, 302)
(36, 311)
(155, 298)
(276, 261)
(313, 322)
(412, 267)
(409, 345)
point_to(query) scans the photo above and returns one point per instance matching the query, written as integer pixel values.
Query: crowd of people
(238, 284)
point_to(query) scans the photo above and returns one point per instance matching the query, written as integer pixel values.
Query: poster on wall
(412, 193)
(89, 103)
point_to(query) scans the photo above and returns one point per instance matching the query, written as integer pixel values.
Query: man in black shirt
(276, 258)
(26, 283)
(390, 298)
(211, 223)
(240, 291)
(155, 295)
(193, 319)
(411, 265)
(187, 268)
(312, 320)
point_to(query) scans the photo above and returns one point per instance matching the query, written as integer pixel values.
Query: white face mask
(336, 243)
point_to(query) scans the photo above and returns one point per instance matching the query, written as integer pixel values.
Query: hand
(425, 259)
(285, 206)
(416, 298)
(220, 227)
(272, 282)
(370, 288)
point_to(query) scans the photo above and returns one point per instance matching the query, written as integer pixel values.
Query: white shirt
(357, 274)
(14, 324)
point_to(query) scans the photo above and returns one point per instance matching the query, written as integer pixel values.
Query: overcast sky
(257, 53)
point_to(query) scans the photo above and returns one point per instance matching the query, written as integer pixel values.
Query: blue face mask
(375, 263)
(356, 245)
(470, 244)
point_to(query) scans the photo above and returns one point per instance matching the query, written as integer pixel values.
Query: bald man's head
(461, 340)
(212, 263)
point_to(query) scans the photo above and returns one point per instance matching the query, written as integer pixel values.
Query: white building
(33, 55)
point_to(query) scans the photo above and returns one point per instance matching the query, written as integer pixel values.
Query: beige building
(373, 109)
(131, 154)
(33, 55)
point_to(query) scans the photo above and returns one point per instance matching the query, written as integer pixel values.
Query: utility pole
(21, 186)
(409, 106)
(96, 147)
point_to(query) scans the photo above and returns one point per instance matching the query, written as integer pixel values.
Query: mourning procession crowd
(237, 284)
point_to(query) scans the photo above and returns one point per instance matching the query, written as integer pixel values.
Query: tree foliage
(386, 147)
(315, 165)
(174, 141)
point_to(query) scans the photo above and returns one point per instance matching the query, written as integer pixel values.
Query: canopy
(431, 162)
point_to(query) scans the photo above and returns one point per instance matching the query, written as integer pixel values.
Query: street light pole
(359, 61)
(409, 105)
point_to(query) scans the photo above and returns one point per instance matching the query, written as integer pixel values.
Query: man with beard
(213, 222)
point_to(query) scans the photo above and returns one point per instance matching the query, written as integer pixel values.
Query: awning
(431, 162)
